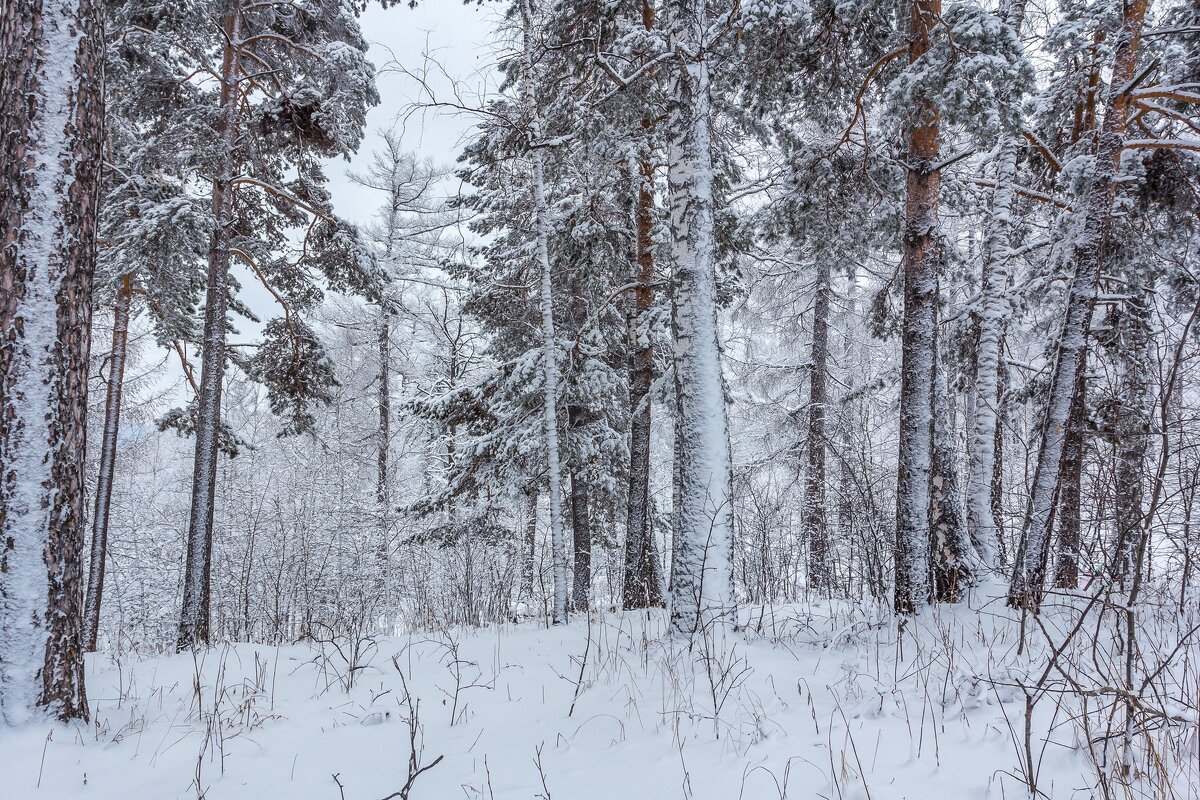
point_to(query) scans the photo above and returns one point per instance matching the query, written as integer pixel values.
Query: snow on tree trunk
(994, 313)
(1089, 243)
(953, 559)
(550, 365)
(815, 525)
(1066, 565)
(581, 530)
(50, 115)
(108, 459)
(194, 615)
(642, 584)
(1132, 355)
(921, 253)
(529, 553)
(702, 570)
(382, 493)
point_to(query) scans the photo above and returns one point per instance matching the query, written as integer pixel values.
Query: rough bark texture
(702, 570)
(953, 560)
(1096, 210)
(581, 530)
(51, 128)
(108, 460)
(1132, 355)
(642, 586)
(1070, 491)
(815, 524)
(921, 253)
(194, 615)
(528, 556)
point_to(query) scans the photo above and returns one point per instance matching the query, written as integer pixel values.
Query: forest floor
(806, 701)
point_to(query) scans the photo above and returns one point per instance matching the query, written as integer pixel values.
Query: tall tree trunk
(1070, 492)
(1090, 242)
(108, 460)
(994, 313)
(953, 559)
(815, 526)
(702, 570)
(642, 586)
(921, 254)
(382, 488)
(194, 615)
(554, 464)
(51, 84)
(529, 553)
(1132, 354)
(581, 529)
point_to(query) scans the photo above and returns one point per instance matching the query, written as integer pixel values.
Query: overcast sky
(458, 37)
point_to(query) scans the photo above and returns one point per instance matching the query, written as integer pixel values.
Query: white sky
(454, 35)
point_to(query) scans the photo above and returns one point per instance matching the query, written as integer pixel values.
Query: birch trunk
(108, 460)
(702, 570)
(1028, 581)
(993, 319)
(921, 253)
(554, 465)
(194, 614)
(51, 117)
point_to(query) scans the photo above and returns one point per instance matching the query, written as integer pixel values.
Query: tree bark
(550, 411)
(108, 459)
(581, 530)
(702, 570)
(642, 586)
(953, 559)
(921, 254)
(194, 614)
(51, 83)
(1066, 568)
(1028, 581)
(1131, 440)
(815, 524)
(994, 313)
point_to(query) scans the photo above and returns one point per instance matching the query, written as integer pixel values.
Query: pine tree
(50, 112)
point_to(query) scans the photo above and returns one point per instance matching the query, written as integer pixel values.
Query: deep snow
(812, 701)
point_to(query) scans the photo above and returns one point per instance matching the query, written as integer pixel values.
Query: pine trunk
(51, 117)
(953, 559)
(581, 529)
(194, 614)
(642, 584)
(1028, 581)
(1066, 566)
(921, 254)
(1133, 357)
(702, 570)
(108, 460)
(815, 525)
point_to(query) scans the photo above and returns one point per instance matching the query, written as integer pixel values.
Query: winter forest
(588, 399)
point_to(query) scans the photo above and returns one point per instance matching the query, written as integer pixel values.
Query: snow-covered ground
(807, 701)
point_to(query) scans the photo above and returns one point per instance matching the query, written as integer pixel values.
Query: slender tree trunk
(51, 117)
(921, 254)
(642, 587)
(528, 556)
(702, 570)
(194, 615)
(554, 464)
(815, 525)
(108, 460)
(1070, 491)
(994, 313)
(382, 487)
(1096, 207)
